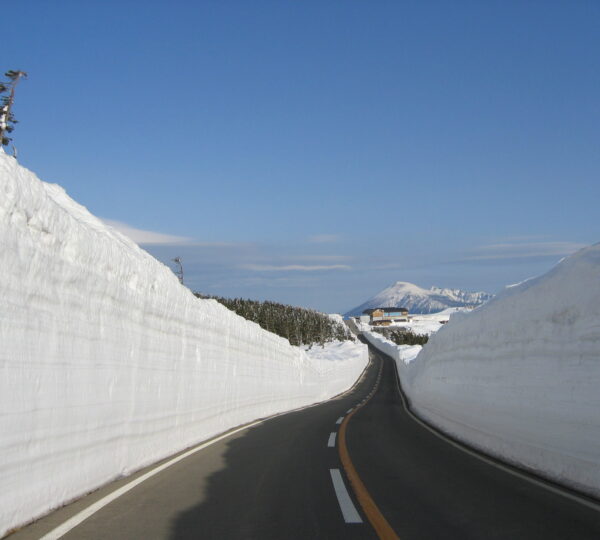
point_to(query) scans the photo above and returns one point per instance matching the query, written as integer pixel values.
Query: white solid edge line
(75, 520)
(339, 420)
(346, 505)
(72, 522)
(331, 441)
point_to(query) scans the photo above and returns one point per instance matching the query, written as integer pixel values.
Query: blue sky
(315, 152)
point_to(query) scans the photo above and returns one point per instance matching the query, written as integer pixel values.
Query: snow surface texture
(336, 353)
(418, 300)
(108, 364)
(520, 376)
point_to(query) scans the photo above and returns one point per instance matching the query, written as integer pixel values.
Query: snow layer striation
(108, 364)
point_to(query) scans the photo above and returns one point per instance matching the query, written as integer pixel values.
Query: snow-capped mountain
(418, 300)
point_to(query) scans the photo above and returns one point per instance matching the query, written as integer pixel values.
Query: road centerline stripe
(382, 528)
(347, 507)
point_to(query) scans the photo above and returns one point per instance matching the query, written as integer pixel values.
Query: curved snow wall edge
(108, 364)
(519, 377)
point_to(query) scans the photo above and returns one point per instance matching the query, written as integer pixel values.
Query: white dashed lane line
(346, 505)
(331, 441)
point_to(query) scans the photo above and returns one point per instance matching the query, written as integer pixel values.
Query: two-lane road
(285, 478)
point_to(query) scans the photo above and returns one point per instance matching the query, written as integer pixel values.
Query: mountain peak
(419, 300)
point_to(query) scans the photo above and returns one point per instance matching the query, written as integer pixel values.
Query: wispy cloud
(320, 258)
(324, 238)
(153, 238)
(141, 236)
(522, 250)
(294, 267)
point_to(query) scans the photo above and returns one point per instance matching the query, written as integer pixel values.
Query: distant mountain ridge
(419, 300)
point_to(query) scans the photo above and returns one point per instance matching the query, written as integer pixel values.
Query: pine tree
(298, 325)
(7, 91)
(406, 337)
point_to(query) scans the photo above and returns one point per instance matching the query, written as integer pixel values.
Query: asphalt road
(275, 480)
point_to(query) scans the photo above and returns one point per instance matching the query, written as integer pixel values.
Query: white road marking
(346, 505)
(331, 441)
(340, 420)
(71, 523)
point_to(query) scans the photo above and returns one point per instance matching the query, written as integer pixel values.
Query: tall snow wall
(520, 376)
(108, 364)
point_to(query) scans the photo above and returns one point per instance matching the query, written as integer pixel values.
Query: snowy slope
(520, 376)
(108, 364)
(418, 300)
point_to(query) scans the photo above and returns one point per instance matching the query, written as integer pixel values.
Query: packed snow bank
(402, 354)
(108, 363)
(520, 376)
(336, 353)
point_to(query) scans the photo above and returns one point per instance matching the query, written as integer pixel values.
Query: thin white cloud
(323, 238)
(140, 236)
(321, 258)
(522, 250)
(294, 267)
(143, 237)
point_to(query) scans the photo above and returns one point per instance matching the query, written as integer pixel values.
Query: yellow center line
(374, 515)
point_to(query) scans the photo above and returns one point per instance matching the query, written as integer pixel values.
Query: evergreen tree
(7, 93)
(298, 325)
(405, 337)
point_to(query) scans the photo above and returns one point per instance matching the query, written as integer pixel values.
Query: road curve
(284, 478)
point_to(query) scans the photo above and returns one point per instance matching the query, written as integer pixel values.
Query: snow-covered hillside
(109, 364)
(520, 376)
(418, 300)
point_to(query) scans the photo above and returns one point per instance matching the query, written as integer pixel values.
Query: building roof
(384, 309)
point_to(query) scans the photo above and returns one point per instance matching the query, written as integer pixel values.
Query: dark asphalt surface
(428, 489)
(272, 481)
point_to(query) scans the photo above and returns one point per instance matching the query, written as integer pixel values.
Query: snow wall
(520, 376)
(108, 364)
